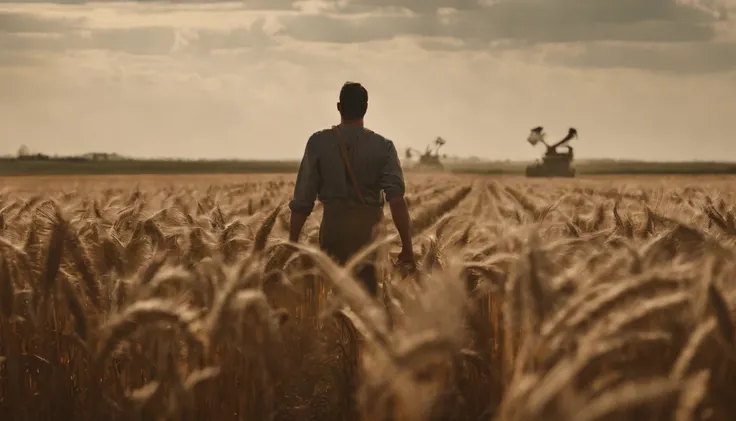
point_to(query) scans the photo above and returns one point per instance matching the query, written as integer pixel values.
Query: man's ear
(338, 106)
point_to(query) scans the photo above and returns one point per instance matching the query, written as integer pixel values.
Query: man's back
(323, 174)
(347, 224)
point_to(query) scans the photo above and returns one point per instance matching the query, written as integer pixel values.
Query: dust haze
(651, 80)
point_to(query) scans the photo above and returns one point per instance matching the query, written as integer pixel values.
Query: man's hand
(406, 263)
(406, 257)
(295, 226)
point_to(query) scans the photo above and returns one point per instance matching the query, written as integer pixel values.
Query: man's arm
(392, 183)
(402, 220)
(305, 191)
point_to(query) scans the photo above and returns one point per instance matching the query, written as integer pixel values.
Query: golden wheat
(584, 300)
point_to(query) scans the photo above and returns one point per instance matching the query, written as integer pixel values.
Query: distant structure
(430, 159)
(554, 163)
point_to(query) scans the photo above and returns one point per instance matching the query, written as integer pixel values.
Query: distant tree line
(25, 154)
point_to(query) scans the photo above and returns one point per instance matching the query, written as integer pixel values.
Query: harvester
(554, 163)
(430, 159)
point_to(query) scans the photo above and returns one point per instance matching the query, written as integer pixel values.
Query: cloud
(672, 59)
(684, 29)
(531, 21)
(253, 79)
(167, 40)
(465, 24)
(420, 7)
(23, 23)
(245, 4)
(24, 33)
(15, 59)
(488, 26)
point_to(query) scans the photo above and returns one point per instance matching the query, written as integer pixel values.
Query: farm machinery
(430, 159)
(554, 163)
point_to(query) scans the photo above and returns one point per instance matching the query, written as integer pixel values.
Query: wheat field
(178, 298)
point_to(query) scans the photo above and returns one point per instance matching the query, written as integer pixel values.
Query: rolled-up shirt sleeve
(392, 177)
(307, 181)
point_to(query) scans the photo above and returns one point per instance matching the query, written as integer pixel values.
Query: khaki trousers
(345, 229)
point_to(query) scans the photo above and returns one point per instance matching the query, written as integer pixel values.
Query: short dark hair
(353, 101)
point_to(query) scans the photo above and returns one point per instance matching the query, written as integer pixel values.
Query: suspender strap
(346, 159)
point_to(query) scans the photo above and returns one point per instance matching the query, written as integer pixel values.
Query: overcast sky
(646, 79)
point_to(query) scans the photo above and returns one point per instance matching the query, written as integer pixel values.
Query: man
(349, 168)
